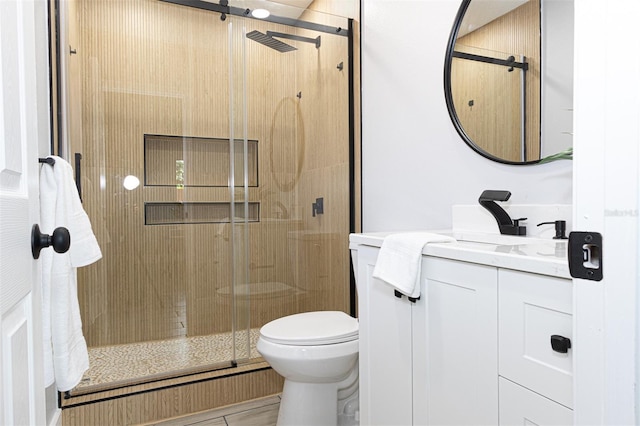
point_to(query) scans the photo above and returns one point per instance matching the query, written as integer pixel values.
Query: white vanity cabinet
(455, 338)
(474, 349)
(535, 380)
(432, 361)
(385, 348)
(520, 406)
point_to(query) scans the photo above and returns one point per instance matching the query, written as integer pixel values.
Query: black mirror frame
(448, 60)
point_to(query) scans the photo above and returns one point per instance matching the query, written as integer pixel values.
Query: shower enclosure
(203, 155)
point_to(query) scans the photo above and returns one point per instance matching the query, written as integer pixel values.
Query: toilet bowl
(317, 354)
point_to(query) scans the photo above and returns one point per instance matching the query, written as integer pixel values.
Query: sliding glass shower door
(153, 110)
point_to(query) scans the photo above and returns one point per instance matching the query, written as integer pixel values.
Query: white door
(23, 123)
(606, 196)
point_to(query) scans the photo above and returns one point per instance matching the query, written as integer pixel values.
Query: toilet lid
(311, 328)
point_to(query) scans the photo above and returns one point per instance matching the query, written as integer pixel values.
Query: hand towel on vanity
(399, 260)
(65, 350)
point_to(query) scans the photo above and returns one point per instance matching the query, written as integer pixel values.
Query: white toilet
(317, 354)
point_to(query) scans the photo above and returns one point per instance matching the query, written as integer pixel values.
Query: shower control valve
(317, 207)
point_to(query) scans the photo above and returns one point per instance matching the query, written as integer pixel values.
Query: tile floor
(131, 363)
(258, 412)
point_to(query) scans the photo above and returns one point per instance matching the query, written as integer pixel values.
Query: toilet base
(320, 404)
(297, 409)
(349, 411)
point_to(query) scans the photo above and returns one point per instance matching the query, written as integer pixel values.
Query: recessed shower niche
(197, 161)
(181, 162)
(184, 213)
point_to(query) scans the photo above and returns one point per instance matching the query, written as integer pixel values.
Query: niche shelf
(194, 161)
(173, 213)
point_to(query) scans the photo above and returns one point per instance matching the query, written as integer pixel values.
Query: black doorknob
(60, 240)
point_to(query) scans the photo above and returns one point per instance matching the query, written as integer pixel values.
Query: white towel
(399, 261)
(65, 350)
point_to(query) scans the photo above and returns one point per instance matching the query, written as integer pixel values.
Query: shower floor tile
(118, 365)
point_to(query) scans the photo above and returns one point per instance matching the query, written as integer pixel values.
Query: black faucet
(507, 225)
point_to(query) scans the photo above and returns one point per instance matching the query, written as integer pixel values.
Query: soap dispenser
(561, 228)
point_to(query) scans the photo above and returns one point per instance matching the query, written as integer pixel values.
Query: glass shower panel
(239, 193)
(298, 108)
(149, 111)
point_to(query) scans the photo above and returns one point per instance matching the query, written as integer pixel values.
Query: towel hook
(60, 240)
(50, 161)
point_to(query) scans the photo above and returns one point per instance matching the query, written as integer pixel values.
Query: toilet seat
(311, 328)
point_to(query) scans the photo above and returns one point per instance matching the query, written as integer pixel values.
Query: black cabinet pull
(399, 295)
(560, 344)
(60, 240)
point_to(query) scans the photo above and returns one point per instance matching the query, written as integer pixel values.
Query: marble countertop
(535, 255)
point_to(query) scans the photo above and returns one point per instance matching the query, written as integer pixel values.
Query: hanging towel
(399, 260)
(65, 350)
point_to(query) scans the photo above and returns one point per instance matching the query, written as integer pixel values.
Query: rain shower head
(269, 40)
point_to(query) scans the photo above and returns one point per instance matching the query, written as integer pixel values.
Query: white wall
(557, 76)
(414, 164)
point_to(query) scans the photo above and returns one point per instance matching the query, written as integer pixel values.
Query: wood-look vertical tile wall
(493, 122)
(149, 67)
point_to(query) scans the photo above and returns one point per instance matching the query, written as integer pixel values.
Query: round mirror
(509, 77)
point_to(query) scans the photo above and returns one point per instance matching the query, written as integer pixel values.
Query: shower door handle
(78, 178)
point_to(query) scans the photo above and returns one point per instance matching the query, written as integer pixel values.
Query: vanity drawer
(532, 308)
(520, 406)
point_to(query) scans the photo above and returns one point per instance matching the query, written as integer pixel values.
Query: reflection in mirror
(508, 78)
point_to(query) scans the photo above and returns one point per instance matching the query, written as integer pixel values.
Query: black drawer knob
(560, 343)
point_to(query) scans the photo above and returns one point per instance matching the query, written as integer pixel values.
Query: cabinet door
(455, 344)
(532, 308)
(520, 406)
(385, 348)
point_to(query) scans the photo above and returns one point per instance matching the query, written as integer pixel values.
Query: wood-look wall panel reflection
(490, 106)
(154, 68)
(497, 90)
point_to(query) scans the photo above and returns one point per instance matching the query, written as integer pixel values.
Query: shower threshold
(134, 363)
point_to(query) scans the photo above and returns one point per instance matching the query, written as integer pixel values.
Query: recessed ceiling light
(260, 13)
